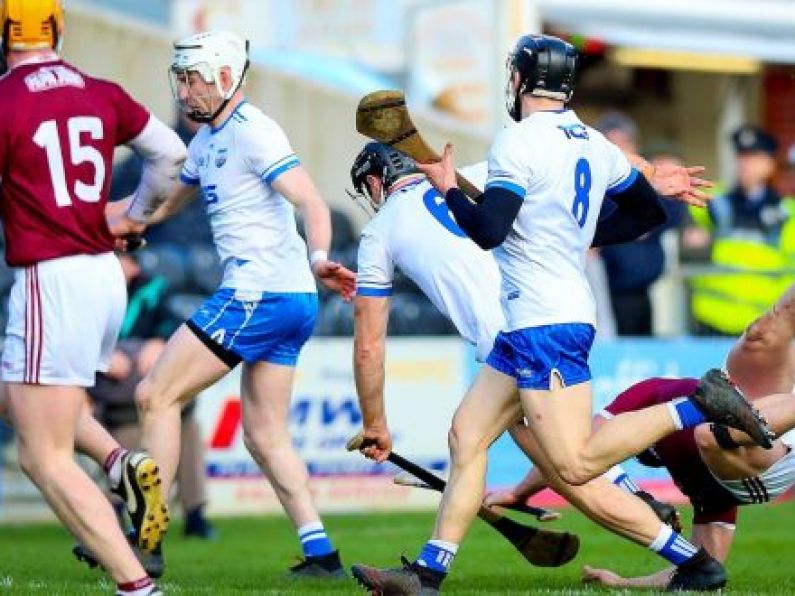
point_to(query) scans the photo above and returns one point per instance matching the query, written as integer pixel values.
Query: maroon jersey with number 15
(58, 130)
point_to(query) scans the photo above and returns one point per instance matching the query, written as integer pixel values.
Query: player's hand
(681, 183)
(441, 174)
(500, 498)
(377, 443)
(120, 366)
(126, 231)
(603, 577)
(336, 278)
(117, 209)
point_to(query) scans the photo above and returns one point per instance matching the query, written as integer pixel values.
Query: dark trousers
(632, 310)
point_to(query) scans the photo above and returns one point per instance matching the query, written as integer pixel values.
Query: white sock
(448, 546)
(114, 473)
(671, 405)
(618, 476)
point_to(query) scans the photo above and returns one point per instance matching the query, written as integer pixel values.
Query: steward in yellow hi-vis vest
(753, 231)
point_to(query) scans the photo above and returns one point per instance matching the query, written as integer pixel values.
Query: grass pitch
(251, 555)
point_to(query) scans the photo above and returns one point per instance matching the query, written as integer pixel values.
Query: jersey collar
(49, 58)
(215, 130)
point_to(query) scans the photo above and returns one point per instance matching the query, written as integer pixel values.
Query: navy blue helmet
(382, 161)
(546, 66)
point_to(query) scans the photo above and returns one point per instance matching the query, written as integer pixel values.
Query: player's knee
(143, 395)
(26, 463)
(263, 444)
(254, 444)
(35, 467)
(574, 471)
(147, 399)
(463, 443)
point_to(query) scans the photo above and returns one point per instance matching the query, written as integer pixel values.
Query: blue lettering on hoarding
(327, 411)
(348, 407)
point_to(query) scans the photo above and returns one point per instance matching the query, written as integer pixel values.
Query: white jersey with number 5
(416, 232)
(253, 225)
(563, 170)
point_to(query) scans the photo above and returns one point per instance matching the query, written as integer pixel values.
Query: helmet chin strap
(207, 118)
(516, 112)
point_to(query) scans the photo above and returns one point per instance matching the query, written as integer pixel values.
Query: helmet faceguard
(31, 25)
(545, 65)
(385, 163)
(196, 69)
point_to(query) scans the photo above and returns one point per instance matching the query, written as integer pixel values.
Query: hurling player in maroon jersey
(58, 131)
(718, 469)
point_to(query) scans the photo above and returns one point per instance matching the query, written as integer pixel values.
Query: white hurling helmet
(206, 54)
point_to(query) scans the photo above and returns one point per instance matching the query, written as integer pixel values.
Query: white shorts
(64, 317)
(769, 485)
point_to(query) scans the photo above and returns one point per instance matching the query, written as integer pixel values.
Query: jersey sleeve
(508, 166)
(477, 173)
(131, 115)
(376, 269)
(267, 149)
(190, 170)
(621, 173)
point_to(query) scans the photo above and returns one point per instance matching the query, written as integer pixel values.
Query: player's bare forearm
(369, 375)
(674, 181)
(369, 349)
(180, 195)
(534, 482)
(317, 222)
(609, 578)
(297, 187)
(640, 164)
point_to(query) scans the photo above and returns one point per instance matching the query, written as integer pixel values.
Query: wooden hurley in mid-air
(384, 117)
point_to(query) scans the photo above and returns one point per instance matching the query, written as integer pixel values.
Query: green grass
(251, 554)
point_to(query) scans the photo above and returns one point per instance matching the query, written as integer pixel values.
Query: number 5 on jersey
(48, 139)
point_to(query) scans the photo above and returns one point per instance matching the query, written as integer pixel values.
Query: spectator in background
(147, 324)
(633, 267)
(753, 238)
(189, 226)
(752, 208)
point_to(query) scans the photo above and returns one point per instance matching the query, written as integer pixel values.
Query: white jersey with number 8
(562, 169)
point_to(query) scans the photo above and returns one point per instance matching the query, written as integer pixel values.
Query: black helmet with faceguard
(546, 66)
(382, 161)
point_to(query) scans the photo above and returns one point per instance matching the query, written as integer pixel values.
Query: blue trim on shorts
(534, 354)
(269, 327)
